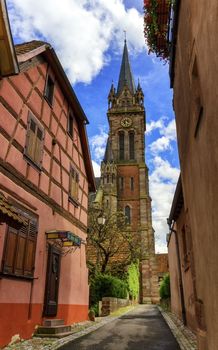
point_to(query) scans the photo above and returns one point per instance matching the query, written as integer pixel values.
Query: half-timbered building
(45, 176)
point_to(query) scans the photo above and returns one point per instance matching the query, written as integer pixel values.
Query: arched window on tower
(121, 145)
(131, 145)
(128, 215)
(113, 178)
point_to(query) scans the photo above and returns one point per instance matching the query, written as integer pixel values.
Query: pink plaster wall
(24, 93)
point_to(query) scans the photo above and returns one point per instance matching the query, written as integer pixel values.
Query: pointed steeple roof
(108, 156)
(125, 77)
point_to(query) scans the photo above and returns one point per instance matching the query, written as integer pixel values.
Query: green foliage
(95, 308)
(165, 287)
(133, 280)
(106, 286)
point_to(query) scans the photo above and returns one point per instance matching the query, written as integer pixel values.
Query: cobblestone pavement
(186, 339)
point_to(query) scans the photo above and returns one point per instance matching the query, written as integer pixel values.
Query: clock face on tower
(126, 122)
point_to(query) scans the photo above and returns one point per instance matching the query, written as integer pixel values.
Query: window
(34, 141)
(74, 185)
(131, 145)
(108, 179)
(121, 145)
(113, 178)
(128, 215)
(132, 183)
(20, 247)
(70, 124)
(121, 183)
(49, 90)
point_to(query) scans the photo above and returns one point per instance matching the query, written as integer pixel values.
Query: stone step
(53, 322)
(48, 335)
(53, 330)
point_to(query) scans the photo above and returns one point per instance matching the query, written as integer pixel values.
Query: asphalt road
(142, 328)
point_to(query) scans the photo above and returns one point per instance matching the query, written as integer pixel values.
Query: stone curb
(185, 338)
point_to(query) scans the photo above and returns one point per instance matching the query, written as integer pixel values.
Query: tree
(110, 246)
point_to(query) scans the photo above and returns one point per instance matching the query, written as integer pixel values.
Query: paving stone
(184, 336)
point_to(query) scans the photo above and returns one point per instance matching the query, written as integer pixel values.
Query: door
(52, 282)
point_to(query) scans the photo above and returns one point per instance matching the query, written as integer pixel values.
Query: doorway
(52, 281)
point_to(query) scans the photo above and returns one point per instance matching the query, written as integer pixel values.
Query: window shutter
(31, 139)
(10, 250)
(34, 141)
(20, 248)
(38, 146)
(29, 263)
(74, 184)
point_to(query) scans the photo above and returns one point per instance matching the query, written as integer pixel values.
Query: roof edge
(177, 203)
(35, 52)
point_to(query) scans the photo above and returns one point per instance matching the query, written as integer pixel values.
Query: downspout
(180, 276)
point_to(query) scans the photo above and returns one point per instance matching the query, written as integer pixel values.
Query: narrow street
(142, 328)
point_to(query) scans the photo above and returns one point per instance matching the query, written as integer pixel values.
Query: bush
(106, 286)
(165, 287)
(133, 280)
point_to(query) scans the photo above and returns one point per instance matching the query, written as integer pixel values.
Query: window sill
(32, 163)
(15, 277)
(73, 201)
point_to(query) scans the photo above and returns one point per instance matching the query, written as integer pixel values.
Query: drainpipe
(180, 276)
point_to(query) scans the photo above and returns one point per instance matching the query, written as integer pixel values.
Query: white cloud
(160, 145)
(98, 144)
(80, 31)
(162, 187)
(155, 124)
(96, 168)
(167, 132)
(170, 130)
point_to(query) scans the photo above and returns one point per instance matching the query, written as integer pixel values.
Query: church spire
(125, 78)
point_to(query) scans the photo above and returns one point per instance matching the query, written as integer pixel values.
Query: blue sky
(88, 37)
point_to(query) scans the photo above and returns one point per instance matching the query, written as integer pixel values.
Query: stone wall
(109, 305)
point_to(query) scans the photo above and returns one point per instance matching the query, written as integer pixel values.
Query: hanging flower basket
(156, 21)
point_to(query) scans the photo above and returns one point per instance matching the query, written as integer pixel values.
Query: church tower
(124, 174)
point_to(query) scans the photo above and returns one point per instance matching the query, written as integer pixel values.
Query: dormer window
(49, 90)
